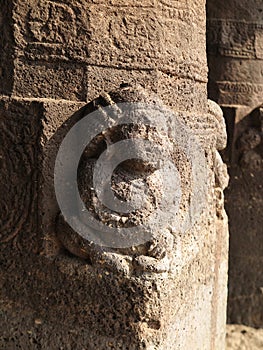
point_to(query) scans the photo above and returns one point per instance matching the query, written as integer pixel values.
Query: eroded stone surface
(7, 48)
(130, 176)
(59, 53)
(51, 295)
(171, 259)
(20, 130)
(143, 301)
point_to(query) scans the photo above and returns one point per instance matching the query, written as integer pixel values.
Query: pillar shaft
(61, 55)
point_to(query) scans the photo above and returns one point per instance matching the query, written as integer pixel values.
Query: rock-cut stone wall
(62, 60)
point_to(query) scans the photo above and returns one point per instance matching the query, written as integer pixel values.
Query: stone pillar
(235, 53)
(235, 56)
(58, 56)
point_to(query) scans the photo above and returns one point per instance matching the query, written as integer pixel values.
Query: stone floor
(241, 337)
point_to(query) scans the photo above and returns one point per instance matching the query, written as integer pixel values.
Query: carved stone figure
(154, 255)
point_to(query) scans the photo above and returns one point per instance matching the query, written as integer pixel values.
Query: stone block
(106, 79)
(58, 116)
(137, 37)
(50, 80)
(20, 129)
(151, 296)
(142, 310)
(49, 30)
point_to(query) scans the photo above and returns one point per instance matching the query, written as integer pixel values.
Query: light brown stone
(65, 53)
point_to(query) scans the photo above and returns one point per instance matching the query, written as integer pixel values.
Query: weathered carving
(155, 255)
(234, 38)
(18, 139)
(234, 46)
(240, 87)
(43, 24)
(53, 31)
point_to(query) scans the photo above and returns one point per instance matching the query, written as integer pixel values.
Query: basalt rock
(58, 289)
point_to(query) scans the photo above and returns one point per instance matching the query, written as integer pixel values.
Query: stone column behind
(235, 56)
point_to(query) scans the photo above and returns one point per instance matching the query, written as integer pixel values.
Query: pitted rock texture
(57, 55)
(7, 47)
(142, 301)
(143, 259)
(19, 135)
(129, 176)
(73, 50)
